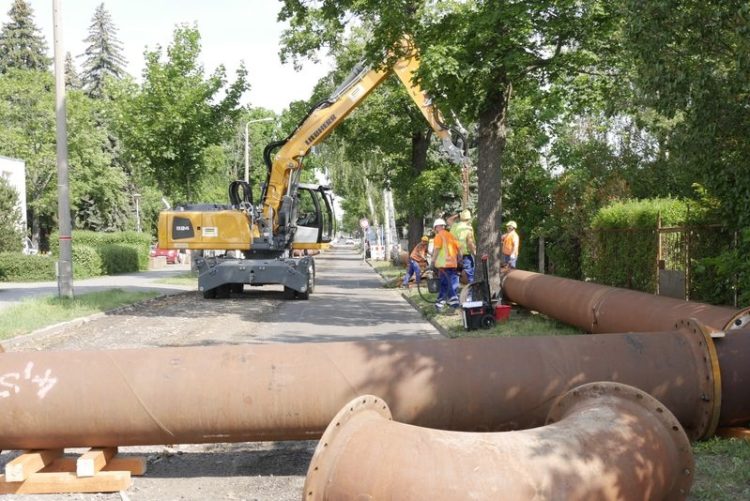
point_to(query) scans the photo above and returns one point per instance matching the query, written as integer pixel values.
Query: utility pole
(65, 264)
(387, 226)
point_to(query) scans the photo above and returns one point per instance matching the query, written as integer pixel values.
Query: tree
(72, 80)
(167, 124)
(21, 44)
(693, 65)
(475, 57)
(10, 218)
(27, 112)
(97, 188)
(103, 56)
(701, 81)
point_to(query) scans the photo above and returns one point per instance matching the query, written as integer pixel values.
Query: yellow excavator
(261, 238)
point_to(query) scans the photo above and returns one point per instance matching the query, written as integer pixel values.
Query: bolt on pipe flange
(611, 441)
(709, 378)
(315, 480)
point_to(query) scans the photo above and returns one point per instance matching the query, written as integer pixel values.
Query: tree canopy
(103, 56)
(21, 44)
(166, 125)
(10, 218)
(475, 56)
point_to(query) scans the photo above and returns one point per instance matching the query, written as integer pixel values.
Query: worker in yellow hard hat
(511, 243)
(417, 262)
(464, 233)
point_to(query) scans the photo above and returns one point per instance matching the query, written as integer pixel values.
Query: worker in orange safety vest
(417, 261)
(445, 248)
(511, 243)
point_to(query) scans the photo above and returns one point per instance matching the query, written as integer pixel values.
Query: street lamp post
(136, 199)
(247, 144)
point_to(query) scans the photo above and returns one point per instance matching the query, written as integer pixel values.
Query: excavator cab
(314, 217)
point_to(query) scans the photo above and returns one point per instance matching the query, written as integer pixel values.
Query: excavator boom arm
(330, 113)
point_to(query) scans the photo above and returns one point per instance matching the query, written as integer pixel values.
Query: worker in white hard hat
(511, 243)
(446, 249)
(464, 233)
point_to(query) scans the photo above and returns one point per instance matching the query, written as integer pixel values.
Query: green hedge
(119, 252)
(622, 248)
(17, 267)
(86, 262)
(119, 258)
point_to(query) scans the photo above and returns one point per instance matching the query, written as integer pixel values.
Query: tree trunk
(35, 229)
(492, 140)
(420, 142)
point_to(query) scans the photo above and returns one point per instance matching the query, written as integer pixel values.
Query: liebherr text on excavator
(290, 215)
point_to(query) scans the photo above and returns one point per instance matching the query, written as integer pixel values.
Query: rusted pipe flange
(316, 473)
(614, 391)
(710, 377)
(739, 320)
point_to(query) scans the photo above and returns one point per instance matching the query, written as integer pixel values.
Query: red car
(173, 256)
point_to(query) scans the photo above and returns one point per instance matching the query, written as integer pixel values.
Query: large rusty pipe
(291, 391)
(733, 355)
(602, 309)
(604, 441)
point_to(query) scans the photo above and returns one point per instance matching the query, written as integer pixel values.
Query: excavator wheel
(209, 294)
(289, 293)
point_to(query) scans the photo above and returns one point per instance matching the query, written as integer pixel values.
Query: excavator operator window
(307, 209)
(326, 214)
(314, 215)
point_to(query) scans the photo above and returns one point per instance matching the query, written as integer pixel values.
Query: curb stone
(442, 330)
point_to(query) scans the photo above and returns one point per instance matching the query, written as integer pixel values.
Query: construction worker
(511, 243)
(417, 261)
(445, 248)
(464, 233)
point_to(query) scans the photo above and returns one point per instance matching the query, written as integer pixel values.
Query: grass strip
(722, 469)
(520, 323)
(187, 278)
(33, 314)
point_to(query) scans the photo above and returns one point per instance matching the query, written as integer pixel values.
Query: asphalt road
(13, 293)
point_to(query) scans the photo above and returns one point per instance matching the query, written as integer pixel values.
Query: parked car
(349, 241)
(173, 255)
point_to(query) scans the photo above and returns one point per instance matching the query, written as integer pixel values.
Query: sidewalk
(349, 304)
(13, 293)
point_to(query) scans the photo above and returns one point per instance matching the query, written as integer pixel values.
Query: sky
(231, 31)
